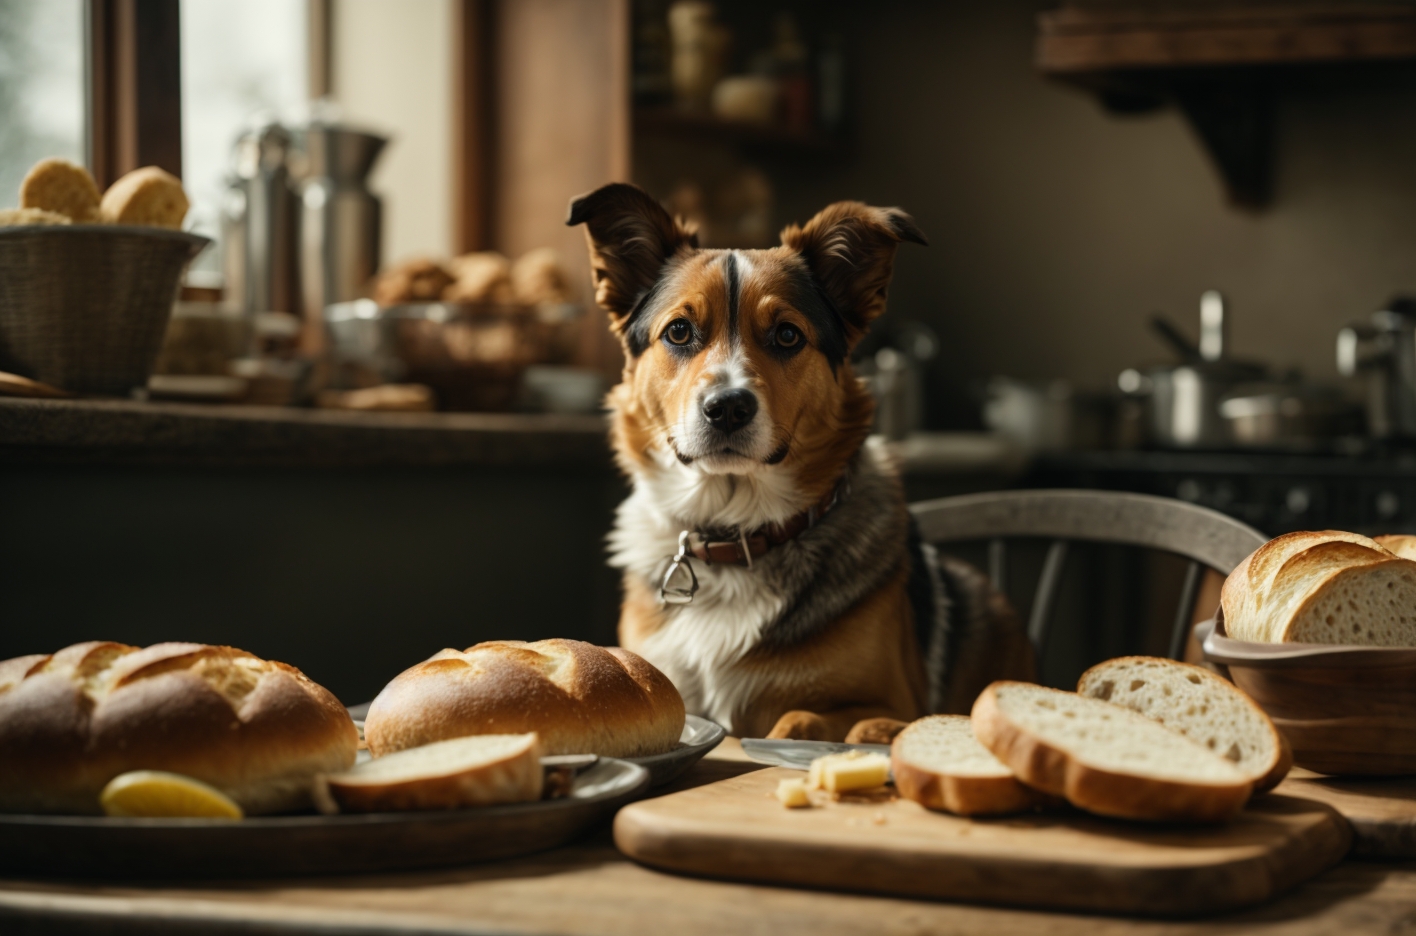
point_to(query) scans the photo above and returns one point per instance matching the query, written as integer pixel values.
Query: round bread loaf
(256, 730)
(580, 699)
(61, 187)
(147, 196)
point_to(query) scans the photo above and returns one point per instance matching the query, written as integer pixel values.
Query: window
(239, 61)
(42, 109)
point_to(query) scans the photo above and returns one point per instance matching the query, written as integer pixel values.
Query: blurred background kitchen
(1169, 248)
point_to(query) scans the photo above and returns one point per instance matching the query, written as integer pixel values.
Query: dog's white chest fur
(701, 645)
(702, 642)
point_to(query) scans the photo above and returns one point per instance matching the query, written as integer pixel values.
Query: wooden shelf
(1222, 64)
(666, 121)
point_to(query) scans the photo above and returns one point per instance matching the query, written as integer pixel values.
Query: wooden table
(589, 888)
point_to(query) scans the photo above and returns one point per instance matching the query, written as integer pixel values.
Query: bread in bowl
(579, 698)
(257, 730)
(1327, 587)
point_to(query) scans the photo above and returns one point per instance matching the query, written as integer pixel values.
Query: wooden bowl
(1345, 710)
(85, 306)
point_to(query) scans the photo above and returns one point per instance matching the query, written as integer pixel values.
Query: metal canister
(260, 224)
(341, 220)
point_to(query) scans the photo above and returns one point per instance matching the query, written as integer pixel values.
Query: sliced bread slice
(1246, 599)
(1199, 705)
(1105, 758)
(1369, 604)
(480, 770)
(939, 764)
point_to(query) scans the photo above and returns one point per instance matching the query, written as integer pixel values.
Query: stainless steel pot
(1183, 400)
(1385, 351)
(1288, 415)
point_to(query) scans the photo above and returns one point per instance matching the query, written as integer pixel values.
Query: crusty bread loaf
(483, 770)
(62, 187)
(1400, 544)
(258, 731)
(1105, 758)
(1199, 705)
(939, 764)
(147, 196)
(1328, 587)
(580, 699)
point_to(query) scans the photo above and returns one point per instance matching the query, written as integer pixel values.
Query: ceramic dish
(1345, 710)
(270, 846)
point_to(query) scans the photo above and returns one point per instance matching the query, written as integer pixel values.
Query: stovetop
(1368, 487)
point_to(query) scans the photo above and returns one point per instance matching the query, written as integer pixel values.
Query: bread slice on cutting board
(939, 764)
(479, 770)
(1198, 704)
(1105, 758)
(1327, 587)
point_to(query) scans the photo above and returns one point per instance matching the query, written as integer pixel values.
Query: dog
(769, 562)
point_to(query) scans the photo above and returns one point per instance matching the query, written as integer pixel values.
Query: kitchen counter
(132, 432)
(590, 888)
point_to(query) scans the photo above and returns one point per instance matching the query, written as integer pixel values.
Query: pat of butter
(793, 794)
(854, 770)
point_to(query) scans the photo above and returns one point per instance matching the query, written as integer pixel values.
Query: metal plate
(699, 737)
(264, 846)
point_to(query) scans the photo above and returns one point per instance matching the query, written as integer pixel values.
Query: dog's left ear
(631, 237)
(850, 249)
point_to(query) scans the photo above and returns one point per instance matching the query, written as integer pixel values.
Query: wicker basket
(84, 307)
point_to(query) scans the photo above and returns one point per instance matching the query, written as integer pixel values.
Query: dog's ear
(630, 236)
(850, 249)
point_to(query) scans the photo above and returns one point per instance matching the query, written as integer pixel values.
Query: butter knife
(798, 755)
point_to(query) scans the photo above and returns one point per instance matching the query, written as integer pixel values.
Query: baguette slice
(1199, 705)
(480, 770)
(1105, 758)
(939, 764)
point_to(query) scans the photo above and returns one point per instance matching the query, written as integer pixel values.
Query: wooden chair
(1207, 538)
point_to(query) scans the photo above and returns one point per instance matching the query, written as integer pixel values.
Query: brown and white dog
(769, 564)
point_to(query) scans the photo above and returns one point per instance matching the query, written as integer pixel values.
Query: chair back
(1207, 538)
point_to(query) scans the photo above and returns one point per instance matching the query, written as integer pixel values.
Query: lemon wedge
(156, 793)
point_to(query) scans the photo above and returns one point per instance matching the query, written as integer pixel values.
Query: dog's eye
(679, 332)
(787, 336)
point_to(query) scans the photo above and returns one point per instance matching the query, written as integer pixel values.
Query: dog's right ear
(631, 236)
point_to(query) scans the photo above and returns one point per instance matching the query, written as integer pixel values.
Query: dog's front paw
(875, 731)
(801, 726)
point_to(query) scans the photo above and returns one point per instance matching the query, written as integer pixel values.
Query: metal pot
(1183, 400)
(1288, 415)
(1385, 350)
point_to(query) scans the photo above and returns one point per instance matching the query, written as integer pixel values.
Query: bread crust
(579, 698)
(1283, 752)
(257, 730)
(959, 794)
(516, 778)
(1107, 793)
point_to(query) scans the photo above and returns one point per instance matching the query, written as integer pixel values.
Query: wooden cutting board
(1382, 810)
(736, 829)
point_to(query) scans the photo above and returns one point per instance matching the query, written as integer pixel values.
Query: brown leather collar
(715, 546)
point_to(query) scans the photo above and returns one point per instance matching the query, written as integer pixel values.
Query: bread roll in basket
(580, 699)
(256, 730)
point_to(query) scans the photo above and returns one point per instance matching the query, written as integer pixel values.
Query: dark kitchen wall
(1056, 228)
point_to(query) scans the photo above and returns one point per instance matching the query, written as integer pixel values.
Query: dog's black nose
(730, 410)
